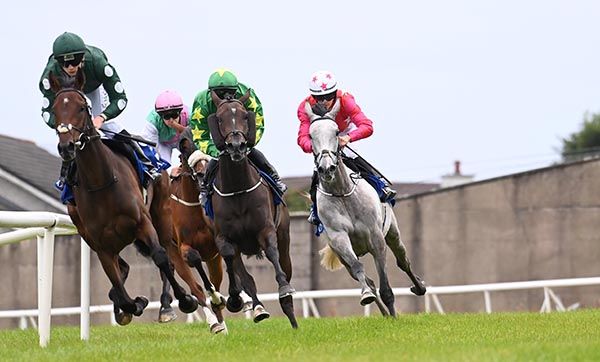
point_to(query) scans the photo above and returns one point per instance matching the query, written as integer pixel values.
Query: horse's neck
(94, 166)
(341, 183)
(236, 176)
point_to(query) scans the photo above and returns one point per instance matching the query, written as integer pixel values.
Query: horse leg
(249, 285)
(283, 246)
(193, 259)
(285, 289)
(112, 264)
(148, 236)
(394, 242)
(166, 313)
(227, 250)
(214, 322)
(215, 272)
(340, 244)
(385, 291)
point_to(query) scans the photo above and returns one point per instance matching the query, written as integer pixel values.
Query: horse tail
(329, 259)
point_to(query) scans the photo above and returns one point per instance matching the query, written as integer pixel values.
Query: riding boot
(261, 162)
(369, 173)
(149, 169)
(313, 217)
(205, 185)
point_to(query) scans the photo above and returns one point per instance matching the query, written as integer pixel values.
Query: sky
(494, 84)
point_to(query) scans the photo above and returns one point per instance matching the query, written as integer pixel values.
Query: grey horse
(355, 221)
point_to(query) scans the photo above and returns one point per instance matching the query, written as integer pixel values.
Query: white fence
(45, 226)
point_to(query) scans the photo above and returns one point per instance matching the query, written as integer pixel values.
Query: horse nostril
(331, 168)
(320, 169)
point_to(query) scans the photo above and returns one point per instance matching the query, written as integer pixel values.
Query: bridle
(233, 132)
(334, 155)
(84, 134)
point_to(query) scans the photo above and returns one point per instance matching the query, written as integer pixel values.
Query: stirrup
(388, 194)
(59, 184)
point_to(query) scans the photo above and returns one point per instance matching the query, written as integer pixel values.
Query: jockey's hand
(343, 140)
(98, 121)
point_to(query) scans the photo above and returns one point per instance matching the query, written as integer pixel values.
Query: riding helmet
(66, 44)
(322, 82)
(222, 78)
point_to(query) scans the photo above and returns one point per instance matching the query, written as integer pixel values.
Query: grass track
(569, 336)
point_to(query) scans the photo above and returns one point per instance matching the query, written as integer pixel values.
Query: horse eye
(82, 109)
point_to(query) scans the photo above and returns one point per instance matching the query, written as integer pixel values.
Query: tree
(585, 143)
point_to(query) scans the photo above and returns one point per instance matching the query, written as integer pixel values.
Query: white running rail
(44, 226)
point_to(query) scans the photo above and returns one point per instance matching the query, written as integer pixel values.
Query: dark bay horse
(194, 236)
(246, 219)
(110, 211)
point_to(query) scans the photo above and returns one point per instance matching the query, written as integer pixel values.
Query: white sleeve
(150, 133)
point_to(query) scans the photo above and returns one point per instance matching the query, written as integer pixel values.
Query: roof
(30, 163)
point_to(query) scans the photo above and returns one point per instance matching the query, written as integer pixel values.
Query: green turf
(568, 336)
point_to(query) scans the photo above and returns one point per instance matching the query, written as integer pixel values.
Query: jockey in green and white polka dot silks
(68, 49)
(203, 107)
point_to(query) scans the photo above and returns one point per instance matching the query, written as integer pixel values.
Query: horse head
(194, 166)
(324, 137)
(73, 120)
(232, 127)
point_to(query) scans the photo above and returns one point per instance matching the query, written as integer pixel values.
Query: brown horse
(111, 212)
(194, 236)
(246, 219)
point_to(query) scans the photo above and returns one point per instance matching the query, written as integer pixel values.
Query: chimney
(457, 167)
(457, 178)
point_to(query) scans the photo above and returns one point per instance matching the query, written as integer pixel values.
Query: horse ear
(215, 133)
(55, 85)
(245, 97)
(186, 144)
(251, 140)
(335, 109)
(79, 79)
(215, 98)
(308, 109)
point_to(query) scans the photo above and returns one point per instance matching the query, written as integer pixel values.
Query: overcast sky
(495, 84)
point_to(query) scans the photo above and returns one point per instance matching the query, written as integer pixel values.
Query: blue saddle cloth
(277, 197)
(67, 196)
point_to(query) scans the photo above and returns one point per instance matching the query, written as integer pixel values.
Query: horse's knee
(160, 257)
(227, 250)
(193, 257)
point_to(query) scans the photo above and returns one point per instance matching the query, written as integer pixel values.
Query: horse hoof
(367, 298)
(218, 328)
(285, 291)
(123, 318)
(140, 304)
(418, 290)
(260, 313)
(247, 306)
(188, 304)
(166, 315)
(234, 304)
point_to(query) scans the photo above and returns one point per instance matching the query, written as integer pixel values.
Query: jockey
(226, 85)
(166, 122)
(352, 123)
(70, 55)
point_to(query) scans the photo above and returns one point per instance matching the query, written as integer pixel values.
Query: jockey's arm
(364, 126)
(47, 97)
(303, 132)
(107, 75)
(199, 126)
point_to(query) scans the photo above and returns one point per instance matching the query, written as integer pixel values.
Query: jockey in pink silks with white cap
(166, 123)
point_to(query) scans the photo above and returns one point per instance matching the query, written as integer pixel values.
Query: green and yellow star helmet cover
(222, 78)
